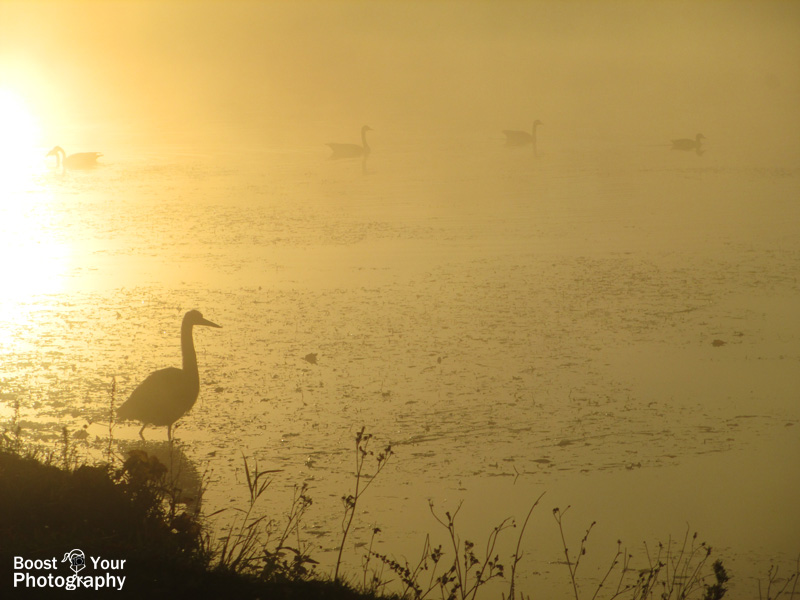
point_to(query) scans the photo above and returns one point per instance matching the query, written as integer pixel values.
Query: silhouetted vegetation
(134, 512)
(46, 510)
(675, 572)
(350, 502)
(131, 513)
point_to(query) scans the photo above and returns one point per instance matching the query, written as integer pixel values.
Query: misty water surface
(607, 320)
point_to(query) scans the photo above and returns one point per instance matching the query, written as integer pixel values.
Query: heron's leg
(141, 431)
(169, 432)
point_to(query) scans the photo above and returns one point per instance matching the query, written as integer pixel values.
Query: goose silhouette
(168, 394)
(80, 160)
(688, 143)
(515, 137)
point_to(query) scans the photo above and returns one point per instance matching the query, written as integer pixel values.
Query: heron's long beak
(208, 323)
(51, 153)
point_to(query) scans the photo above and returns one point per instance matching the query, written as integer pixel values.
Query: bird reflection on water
(168, 394)
(167, 461)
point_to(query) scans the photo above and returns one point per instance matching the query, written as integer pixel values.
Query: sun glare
(17, 122)
(31, 258)
(19, 132)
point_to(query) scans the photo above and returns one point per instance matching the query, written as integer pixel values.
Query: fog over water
(602, 318)
(270, 70)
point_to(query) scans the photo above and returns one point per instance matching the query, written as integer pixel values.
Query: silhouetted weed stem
(626, 560)
(237, 552)
(464, 582)
(614, 563)
(517, 556)
(573, 567)
(275, 565)
(111, 402)
(350, 502)
(682, 571)
(15, 445)
(467, 574)
(648, 578)
(671, 575)
(435, 555)
(257, 483)
(69, 453)
(772, 579)
(409, 577)
(375, 581)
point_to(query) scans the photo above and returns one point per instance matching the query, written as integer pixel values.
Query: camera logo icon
(77, 560)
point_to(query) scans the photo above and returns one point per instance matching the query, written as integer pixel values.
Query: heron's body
(352, 150)
(522, 138)
(688, 144)
(168, 394)
(80, 160)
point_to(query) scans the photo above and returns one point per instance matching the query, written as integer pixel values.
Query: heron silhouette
(352, 150)
(522, 138)
(80, 160)
(168, 394)
(688, 143)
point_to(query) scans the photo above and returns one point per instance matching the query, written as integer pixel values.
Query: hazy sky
(603, 68)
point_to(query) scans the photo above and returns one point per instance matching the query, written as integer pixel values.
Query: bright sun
(19, 131)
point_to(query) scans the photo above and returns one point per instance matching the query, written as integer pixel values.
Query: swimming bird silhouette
(522, 138)
(168, 394)
(352, 150)
(688, 144)
(80, 160)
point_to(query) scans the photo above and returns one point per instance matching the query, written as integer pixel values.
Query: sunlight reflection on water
(35, 256)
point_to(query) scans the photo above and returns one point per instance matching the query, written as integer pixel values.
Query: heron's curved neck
(189, 355)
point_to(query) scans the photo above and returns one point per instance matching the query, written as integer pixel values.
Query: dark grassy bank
(124, 513)
(130, 510)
